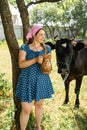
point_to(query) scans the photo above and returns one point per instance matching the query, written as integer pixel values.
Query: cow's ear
(73, 42)
(56, 38)
(79, 46)
(85, 42)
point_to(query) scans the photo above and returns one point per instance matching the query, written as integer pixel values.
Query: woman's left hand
(40, 59)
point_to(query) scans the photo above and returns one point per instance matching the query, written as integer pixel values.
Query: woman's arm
(23, 63)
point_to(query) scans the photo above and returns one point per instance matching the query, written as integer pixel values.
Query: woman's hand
(40, 59)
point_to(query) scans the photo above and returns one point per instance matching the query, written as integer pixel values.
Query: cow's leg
(66, 93)
(77, 91)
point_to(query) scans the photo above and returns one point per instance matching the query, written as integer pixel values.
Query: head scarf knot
(33, 31)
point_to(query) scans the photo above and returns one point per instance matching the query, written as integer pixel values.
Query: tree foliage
(79, 15)
(75, 16)
(69, 15)
(47, 15)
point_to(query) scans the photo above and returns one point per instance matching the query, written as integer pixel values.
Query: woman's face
(40, 36)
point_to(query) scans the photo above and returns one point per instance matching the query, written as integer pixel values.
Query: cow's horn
(85, 42)
(56, 38)
(73, 42)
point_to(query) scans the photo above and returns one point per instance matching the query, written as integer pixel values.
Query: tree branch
(41, 1)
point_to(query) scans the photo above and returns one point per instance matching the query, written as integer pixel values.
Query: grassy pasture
(55, 115)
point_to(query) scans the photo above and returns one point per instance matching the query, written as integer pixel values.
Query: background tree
(79, 16)
(74, 17)
(24, 17)
(68, 18)
(48, 16)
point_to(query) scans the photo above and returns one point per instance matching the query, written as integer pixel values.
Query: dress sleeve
(23, 47)
(48, 49)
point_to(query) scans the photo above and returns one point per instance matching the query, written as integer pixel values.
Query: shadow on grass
(81, 120)
(31, 121)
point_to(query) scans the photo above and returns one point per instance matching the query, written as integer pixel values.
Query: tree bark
(13, 49)
(84, 33)
(24, 17)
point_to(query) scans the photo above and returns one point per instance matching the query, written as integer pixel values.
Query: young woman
(33, 85)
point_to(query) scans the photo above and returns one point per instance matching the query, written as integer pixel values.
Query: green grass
(55, 115)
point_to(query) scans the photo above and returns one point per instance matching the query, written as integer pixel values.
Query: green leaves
(67, 15)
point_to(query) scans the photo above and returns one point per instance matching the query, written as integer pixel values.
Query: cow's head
(64, 53)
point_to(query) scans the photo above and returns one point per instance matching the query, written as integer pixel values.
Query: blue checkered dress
(32, 83)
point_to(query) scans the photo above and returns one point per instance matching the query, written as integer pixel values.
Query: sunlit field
(55, 115)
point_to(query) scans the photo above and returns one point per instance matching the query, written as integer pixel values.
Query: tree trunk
(24, 17)
(13, 48)
(84, 33)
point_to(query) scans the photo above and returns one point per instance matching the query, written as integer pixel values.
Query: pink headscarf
(33, 31)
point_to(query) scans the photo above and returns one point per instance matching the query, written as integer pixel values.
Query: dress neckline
(34, 50)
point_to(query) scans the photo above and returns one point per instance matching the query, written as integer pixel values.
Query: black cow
(71, 59)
